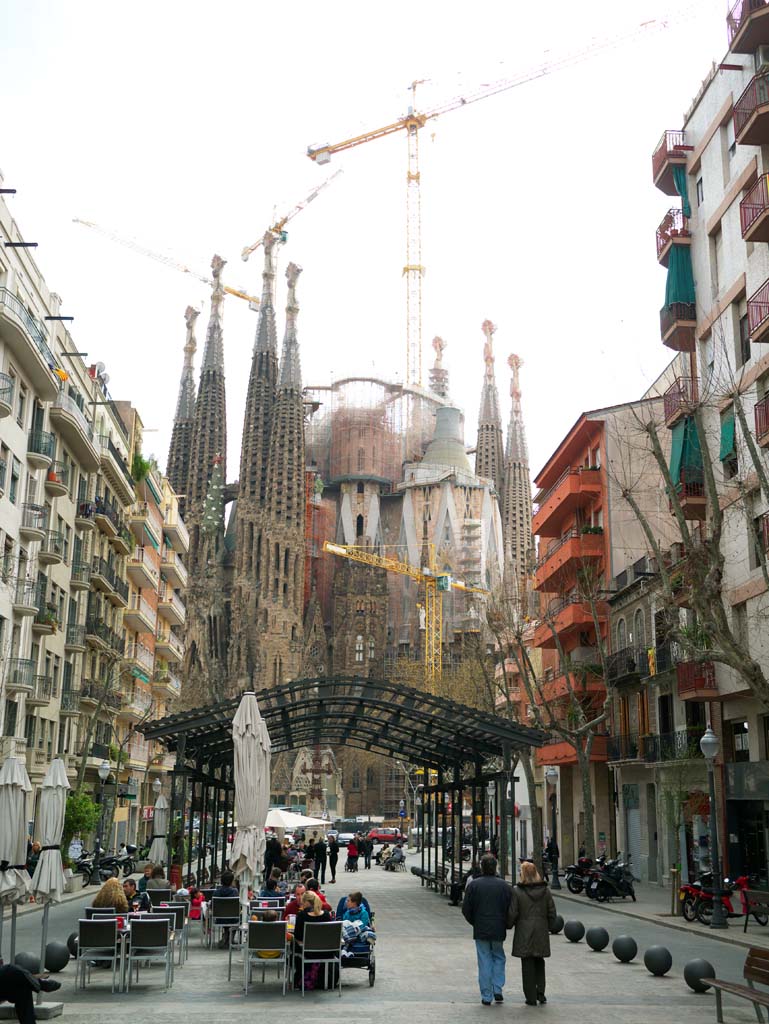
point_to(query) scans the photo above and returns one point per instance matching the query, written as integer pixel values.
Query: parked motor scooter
(704, 905)
(614, 880)
(578, 874)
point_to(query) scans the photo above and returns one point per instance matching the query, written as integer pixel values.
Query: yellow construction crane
(435, 583)
(135, 246)
(412, 122)
(279, 227)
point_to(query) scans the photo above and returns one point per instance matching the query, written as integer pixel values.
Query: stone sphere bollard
(72, 943)
(625, 948)
(574, 930)
(56, 956)
(557, 925)
(597, 939)
(28, 961)
(658, 960)
(696, 973)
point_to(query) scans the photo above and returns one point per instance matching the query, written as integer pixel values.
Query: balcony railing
(41, 442)
(756, 95)
(758, 311)
(168, 639)
(85, 510)
(139, 604)
(27, 594)
(754, 205)
(677, 313)
(34, 517)
(32, 327)
(3, 473)
(81, 573)
(737, 15)
(107, 446)
(625, 663)
(691, 484)
(680, 398)
(70, 701)
(43, 689)
(103, 508)
(6, 389)
(51, 546)
(68, 404)
(75, 634)
(672, 226)
(47, 616)
(58, 473)
(695, 676)
(99, 567)
(20, 672)
(167, 596)
(672, 746)
(762, 417)
(121, 588)
(672, 146)
(139, 653)
(142, 556)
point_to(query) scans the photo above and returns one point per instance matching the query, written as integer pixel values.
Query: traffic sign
(401, 813)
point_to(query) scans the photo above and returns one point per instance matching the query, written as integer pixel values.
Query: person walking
(486, 906)
(333, 856)
(532, 913)
(321, 856)
(368, 849)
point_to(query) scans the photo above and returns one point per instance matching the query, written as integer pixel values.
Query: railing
(671, 144)
(755, 203)
(141, 654)
(674, 313)
(623, 748)
(172, 558)
(170, 640)
(126, 536)
(629, 661)
(43, 688)
(167, 678)
(681, 395)
(98, 628)
(181, 526)
(3, 473)
(81, 572)
(85, 510)
(655, 661)
(103, 508)
(47, 616)
(756, 94)
(33, 328)
(139, 604)
(34, 517)
(758, 308)
(41, 442)
(762, 416)
(141, 556)
(99, 567)
(58, 473)
(6, 389)
(68, 404)
(70, 700)
(52, 544)
(738, 13)
(169, 597)
(691, 484)
(27, 594)
(569, 535)
(107, 445)
(564, 476)
(75, 634)
(672, 746)
(673, 225)
(121, 588)
(21, 672)
(139, 751)
(696, 675)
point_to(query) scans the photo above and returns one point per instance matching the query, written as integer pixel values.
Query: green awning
(151, 539)
(680, 282)
(682, 188)
(691, 456)
(138, 674)
(728, 450)
(676, 450)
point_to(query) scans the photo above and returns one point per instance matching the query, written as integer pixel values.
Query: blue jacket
(357, 914)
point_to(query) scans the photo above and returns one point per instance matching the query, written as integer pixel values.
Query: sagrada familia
(362, 462)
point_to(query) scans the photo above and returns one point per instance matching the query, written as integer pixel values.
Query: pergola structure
(457, 747)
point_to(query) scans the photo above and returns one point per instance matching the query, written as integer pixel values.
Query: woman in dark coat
(532, 913)
(333, 856)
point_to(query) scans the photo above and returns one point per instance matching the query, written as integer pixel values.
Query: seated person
(269, 890)
(355, 910)
(226, 888)
(281, 884)
(269, 954)
(137, 901)
(196, 904)
(17, 986)
(306, 873)
(382, 853)
(398, 857)
(311, 912)
(157, 879)
(144, 880)
(313, 885)
(111, 897)
(294, 905)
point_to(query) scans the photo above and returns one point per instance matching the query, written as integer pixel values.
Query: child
(356, 911)
(196, 904)
(269, 954)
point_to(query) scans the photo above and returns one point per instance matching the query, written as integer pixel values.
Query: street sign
(401, 813)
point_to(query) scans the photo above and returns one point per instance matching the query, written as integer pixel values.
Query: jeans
(491, 968)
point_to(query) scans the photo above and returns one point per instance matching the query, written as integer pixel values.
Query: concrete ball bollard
(658, 960)
(597, 939)
(72, 943)
(574, 930)
(696, 973)
(625, 948)
(56, 956)
(557, 925)
(28, 962)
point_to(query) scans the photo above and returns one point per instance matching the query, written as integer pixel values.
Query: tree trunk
(583, 757)
(536, 811)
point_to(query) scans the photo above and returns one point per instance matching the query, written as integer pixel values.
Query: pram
(360, 954)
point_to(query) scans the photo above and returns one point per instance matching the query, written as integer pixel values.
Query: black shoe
(498, 997)
(49, 985)
(485, 1002)
(541, 998)
(531, 1002)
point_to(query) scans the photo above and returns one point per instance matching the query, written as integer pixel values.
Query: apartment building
(716, 317)
(70, 504)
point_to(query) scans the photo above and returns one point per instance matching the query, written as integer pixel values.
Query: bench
(756, 969)
(756, 902)
(438, 880)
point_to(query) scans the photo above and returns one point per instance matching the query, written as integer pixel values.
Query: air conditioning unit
(761, 59)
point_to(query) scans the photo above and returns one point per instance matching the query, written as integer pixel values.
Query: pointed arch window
(371, 649)
(621, 635)
(359, 648)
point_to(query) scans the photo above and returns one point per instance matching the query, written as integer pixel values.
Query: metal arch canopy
(369, 714)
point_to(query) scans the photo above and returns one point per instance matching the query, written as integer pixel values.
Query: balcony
(576, 488)
(6, 395)
(70, 702)
(751, 113)
(761, 414)
(626, 665)
(678, 324)
(747, 25)
(171, 608)
(567, 555)
(20, 675)
(123, 541)
(563, 685)
(42, 692)
(97, 633)
(139, 615)
(754, 212)
(671, 151)
(169, 646)
(141, 656)
(691, 495)
(69, 419)
(27, 341)
(51, 550)
(141, 572)
(562, 753)
(118, 597)
(27, 598)
(143, 525)
(57, 480)
(697, 680)
(758, 313)
(681, 745)
(627, 747)
(659, 660)
(46, 622)
(41, 448)
(177, 534)
(34, 522)
(173, 569)
(84, 516)
(166, 684)
(673, 230)
(3, 475)
(102, 575)
(74, 639)
(135, 706)
(116, 470)
(80, 576)
(569, 615)
(680, 399)
(94, 692)
(106, 517)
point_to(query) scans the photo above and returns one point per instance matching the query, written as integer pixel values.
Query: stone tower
(178, 468)
(281, 596)
(516, 491)
(489, 455)
(210, 428)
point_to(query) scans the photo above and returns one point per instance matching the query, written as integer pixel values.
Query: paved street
(425, 970)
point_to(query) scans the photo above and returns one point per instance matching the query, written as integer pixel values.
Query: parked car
(386, 835)
(345, 838)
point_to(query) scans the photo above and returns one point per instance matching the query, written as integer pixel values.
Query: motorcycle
(577, 874)
(704, 905)
(83, 866)
(613, 880)
(126, 862)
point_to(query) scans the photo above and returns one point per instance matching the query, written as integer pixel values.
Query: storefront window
(740, 741)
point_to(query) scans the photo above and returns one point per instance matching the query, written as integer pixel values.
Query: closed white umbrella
(48, 881)
(159, 849)
(251, 751)
(14, 879)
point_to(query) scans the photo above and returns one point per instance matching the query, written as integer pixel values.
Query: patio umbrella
(251, 750)
(276, 818)
(48, 880)
(14, 879)
(159, 849)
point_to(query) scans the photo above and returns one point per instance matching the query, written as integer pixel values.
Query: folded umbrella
(14, 879)
(251, 752)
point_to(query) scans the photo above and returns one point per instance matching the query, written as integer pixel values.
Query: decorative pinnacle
(290, 370)
(515, 363)
(266, 337)
(439, 345)
(213, 355)
(190, 345)
(488, 329)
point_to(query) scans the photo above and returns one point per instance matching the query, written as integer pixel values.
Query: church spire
(213, 353)
(439, 375)
(290, 365)
(489, 453)
(516, 492)
(178, 466)
(266, 335)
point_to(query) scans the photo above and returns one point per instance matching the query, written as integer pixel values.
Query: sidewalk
(653, 905)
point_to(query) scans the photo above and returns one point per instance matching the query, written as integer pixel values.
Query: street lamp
(157, 786)
(491, 792)
(103, 771)
(551, 774)
(709, 746)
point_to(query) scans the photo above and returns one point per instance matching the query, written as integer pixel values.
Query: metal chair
(97, 942)
(175, 914)
(224, 914)
(322, 944)
(158, 896)
(264, 937)
(150, 942)
(91, 912)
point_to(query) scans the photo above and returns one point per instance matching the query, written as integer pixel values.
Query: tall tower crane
(414, 269)
(279, 227)
(434, 582)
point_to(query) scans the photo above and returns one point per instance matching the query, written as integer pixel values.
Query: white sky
(185, 125)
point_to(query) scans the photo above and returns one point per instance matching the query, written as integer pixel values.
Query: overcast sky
(184, 125)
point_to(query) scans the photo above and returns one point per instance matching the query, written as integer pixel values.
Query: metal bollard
(675, 903)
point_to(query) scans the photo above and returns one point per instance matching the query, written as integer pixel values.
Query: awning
(676, 450)
(680, 282)
(685, 453)
(728, 450)
(679, 180)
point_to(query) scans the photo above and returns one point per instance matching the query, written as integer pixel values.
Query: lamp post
(709, 746)
(551, 774)
(491, 792)
(103, 771)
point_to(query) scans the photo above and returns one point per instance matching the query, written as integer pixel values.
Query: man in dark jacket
(486, 905)
(321, 855)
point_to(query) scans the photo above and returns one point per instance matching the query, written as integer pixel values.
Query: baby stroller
(351, 864)
(360, 954)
